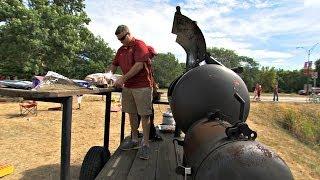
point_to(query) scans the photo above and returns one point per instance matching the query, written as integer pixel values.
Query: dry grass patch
(303, 159)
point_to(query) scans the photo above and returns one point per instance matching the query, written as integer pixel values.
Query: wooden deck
(160, 166)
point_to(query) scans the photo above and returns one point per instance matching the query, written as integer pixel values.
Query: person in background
(276, 92)
(133, 59)
(79, 100)
(259, 90)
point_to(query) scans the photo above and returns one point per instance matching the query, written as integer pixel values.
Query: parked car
(302, 92)
(316, 90)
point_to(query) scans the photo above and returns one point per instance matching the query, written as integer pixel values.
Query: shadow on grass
(51, 171)
(29, 115)
(16, 115)
(97, 98)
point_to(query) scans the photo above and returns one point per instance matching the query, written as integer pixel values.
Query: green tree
(227, 57)
(17, 37)
(49, 35)
(183, 66)
(166, 69)
(267, 77)
(95, 57)
(291, 81)
(250, 71)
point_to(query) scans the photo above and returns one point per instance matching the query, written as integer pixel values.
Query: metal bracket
(185, 171)
(180, 169)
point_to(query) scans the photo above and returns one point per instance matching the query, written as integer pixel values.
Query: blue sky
(267, 30)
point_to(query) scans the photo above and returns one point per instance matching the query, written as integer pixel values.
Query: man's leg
(145, 150)
(153, 135)
(152, 132)
(143, 100)
(134, 124)
(128, 106)
(146, 129)
(134, 143)
(140, 135)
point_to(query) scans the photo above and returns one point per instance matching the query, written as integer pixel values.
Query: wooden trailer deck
(160, 166)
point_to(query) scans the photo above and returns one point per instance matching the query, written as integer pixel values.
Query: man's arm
(137, 67)
(111, 68)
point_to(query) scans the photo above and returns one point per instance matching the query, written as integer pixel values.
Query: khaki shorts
(137, 100)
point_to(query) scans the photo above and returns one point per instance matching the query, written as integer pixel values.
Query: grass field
(32, 143)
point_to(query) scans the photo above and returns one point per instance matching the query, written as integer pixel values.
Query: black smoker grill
(210, 104)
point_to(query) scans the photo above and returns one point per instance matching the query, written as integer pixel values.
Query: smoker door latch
(240, 131)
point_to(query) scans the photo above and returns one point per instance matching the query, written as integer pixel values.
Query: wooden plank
(127, 164)
(118, 166)
(166, 164)
(145, 169)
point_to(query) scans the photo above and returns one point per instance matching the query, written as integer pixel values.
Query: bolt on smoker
(210, 104)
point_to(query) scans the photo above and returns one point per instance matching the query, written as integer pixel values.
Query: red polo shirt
(127, 56)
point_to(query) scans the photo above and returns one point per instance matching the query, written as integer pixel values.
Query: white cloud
(227, 43)
(249, 33)
(313, 3)
(152, 24)
(277, 63)
(264, 54)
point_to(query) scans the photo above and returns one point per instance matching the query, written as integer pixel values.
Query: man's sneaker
(144, 152)
(128, 145)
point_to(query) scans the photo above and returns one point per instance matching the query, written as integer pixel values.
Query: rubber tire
(93, 162)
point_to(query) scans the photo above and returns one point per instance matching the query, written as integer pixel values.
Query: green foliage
(95, 57)
(267, 78)
(304, 125)
(291, 81)
(250, 71)
(227, 57)
(49, 35)
(166, 69)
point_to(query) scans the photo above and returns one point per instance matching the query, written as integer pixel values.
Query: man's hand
(138, 66)
(119, 82)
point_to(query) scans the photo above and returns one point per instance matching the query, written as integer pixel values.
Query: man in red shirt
(133, 59)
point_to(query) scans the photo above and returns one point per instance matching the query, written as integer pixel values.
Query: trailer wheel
(93, 162)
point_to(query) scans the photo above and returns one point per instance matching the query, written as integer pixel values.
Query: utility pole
(309, 53)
